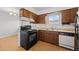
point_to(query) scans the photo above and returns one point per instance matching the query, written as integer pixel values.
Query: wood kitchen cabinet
(38, 18)
(68, 16)
(34, 16)
(73, 14)
(41, 18)
(42, 35)
(48, 36)
(52, 37)
(26, 13)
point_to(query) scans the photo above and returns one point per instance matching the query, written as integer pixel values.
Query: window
(54, 18)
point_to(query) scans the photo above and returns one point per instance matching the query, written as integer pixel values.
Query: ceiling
(40, 8)
(37, 10)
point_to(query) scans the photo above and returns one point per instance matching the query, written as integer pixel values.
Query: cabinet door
(48, 36)
(52, 37)
(73, 14)
(34, 16)
(25, 13)
(66, 16)
(43, 35)
(41, 18)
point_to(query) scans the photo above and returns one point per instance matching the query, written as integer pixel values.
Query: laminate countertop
(65, 30)
(61, 30)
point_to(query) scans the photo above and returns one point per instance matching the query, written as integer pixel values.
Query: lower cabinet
(52, 37)
(62, 39)
(48, 36)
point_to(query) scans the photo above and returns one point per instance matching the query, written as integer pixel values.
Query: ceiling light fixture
(14, 14)
(10, 13)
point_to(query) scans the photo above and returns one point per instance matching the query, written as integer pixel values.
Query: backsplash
(48, 26)
(63, 26)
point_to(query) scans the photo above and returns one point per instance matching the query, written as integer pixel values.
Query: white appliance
(66, 40)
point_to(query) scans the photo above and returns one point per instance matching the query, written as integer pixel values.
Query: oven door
(32, 37)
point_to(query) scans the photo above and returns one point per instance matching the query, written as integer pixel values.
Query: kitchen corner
(53, 28)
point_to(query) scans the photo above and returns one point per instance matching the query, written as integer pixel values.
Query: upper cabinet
(41, 18)
(26, 13)
(34, 16)
(73, 14)
(68, 16)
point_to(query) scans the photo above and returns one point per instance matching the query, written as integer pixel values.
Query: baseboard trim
(7, 35)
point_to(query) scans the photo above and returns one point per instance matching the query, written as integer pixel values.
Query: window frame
(54, 13)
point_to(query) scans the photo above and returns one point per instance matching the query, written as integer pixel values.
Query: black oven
(28, 39)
